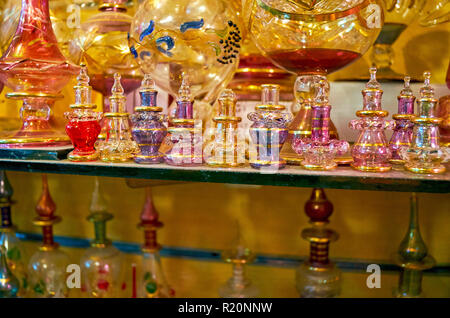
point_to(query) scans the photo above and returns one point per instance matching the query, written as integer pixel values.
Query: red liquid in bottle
(314, 60)
(83, 134)
(103, 84)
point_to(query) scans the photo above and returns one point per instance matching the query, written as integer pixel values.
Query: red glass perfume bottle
(83, 126)
(36, 70)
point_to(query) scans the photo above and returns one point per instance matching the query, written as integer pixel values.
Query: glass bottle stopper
(427, 101)
(405, 100)
(6, 192)
(270, 98)
(227, 104)
(83, 90)
(99, 217)
(150, 224)
(45, 210)
(148, 94)
(372, 92)
(117, 99)
(184, 100)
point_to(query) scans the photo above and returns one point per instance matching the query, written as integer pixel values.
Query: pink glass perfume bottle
(371, 152)
(153, 283)
(148, 124)
(318, 276)
(119, 145)
(227, 148)
(269, 129)
(47, 267)
(319, 151)
(36, 70)
(184, 136)
(425, 154)
(102, 263)
(403, 127)
(83, 126)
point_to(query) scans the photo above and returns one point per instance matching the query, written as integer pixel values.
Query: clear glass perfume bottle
(318, 276)
(47, 267)
(9, 284)
(371, 152)
(119, 145)
(185, 135)
(238, 285)
(319, 151)
(148, 124)
(153, 283)
(227, 147)
(412, 256)
(425, 154)
(269, 129)
(14, 251)
(102, 263)
(403, 127)
(84, 123)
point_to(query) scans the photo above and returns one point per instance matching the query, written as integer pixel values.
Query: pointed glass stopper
(148, 92)
(184, 93)
(426, 91)
(46, 207)
(147, 83)
(117, 99)
(406, 91)
(9, 284)
(82, 89)
(227, 103)
(373, 83)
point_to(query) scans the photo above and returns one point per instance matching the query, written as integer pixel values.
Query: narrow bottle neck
(148, 98)
(150, 240)
(47, 235)
(100, 232)
(318, 253)
(184, 110)
(6, 215)
(406, 105)
(320, 123)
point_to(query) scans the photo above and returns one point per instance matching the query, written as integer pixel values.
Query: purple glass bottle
(403, 129)
(148, 127)
(185, 137)
(319, 151)
(371, 152)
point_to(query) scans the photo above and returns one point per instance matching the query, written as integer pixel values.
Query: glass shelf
(341, 178)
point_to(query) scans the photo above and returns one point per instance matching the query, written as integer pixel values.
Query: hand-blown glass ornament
(148, 124)
(83, 126)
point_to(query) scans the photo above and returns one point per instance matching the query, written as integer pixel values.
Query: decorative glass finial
(147, 83)
(83, 78)
(117, 89)
(373, 83)
(184, 93)
(406, 91)
(427, 91)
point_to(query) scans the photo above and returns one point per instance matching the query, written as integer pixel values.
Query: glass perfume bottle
(84, 123)
(403, 126)
(269, 129)
(319, 151)
(318, 276)
(185, 136)
(14, 251)
(47, 267)
(36, 71)
(412, 256)
(119, 145)
(153, 283)
(9, 284)
(371, 152)
(238, 285)
(227, 147)
(102, 263)
(148, 124)
(425, 154)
